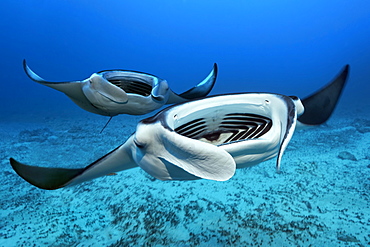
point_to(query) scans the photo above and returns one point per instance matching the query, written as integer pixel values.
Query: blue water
(288, 47)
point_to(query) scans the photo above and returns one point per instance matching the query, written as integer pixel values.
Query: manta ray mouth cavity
(222, 129)
(134, 86)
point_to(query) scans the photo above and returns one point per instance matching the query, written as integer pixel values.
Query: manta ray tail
(106, 125)
(201, 90)
(319, 106)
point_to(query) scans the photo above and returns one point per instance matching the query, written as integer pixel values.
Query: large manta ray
(206, 138)
(113, 92)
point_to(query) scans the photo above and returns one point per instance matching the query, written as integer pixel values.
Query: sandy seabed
(320, 198)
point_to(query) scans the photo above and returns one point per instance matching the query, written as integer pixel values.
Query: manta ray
(207, 138)
(113, 92)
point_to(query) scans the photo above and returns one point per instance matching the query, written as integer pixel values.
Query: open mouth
(132, 85)
(226, 128)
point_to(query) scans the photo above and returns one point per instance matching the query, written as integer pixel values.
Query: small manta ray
(113, 92)
(206, 138)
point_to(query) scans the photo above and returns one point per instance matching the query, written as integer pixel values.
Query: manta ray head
(137, 84)
(140, 94)
(211, 137)
(120, 92)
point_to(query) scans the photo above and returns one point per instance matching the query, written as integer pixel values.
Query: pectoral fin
(72, 89)
(201, 90)
(45, 177)
(52, 178)
(319, 106)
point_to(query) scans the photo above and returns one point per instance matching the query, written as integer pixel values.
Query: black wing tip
(35, 77)
(194, 93)
(215, 69)
(343, 74)
(320, 105)
(213, 81)
(44, 177)
(19, 169)
(345, 71)
(13, 163)
(215, 73)
(25, 66)
(28, 71)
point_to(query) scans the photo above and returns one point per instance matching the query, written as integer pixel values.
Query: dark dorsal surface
(319, 106)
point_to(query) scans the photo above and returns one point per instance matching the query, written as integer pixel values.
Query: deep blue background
(290, 47)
